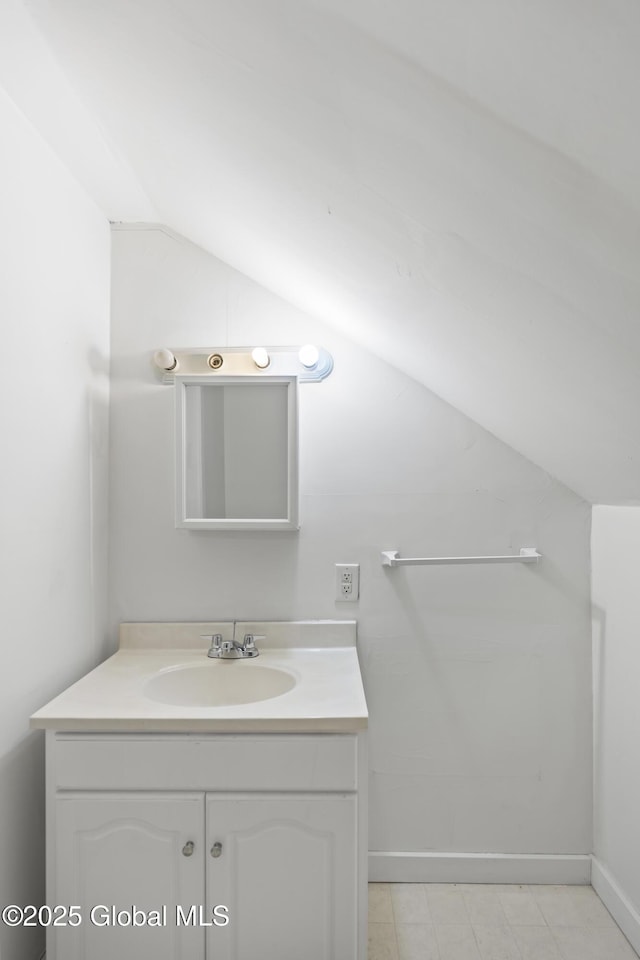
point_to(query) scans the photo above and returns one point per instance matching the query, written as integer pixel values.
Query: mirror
(236, 453)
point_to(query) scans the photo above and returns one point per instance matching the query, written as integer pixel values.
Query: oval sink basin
(218, 684)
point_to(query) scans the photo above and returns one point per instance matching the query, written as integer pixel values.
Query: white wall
(452, 184)
(616, 623)
(54, 310)
(477, 678)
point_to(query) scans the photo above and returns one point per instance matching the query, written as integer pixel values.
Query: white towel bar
(390, 558)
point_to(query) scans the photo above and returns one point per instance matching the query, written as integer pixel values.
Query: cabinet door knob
(216, 850)
(187, 850)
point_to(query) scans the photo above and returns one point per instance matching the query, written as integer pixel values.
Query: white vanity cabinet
(268, 826)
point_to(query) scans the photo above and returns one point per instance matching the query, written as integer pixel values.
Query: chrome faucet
(230, 649)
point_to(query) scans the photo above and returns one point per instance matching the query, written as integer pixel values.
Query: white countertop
(328, 695)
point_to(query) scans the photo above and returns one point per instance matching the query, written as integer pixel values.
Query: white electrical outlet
(347, 581)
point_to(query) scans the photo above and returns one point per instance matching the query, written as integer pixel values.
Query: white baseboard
(616, 902)
(479, 868)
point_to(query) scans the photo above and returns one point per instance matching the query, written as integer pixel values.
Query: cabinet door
(286, 870)
(128, 851)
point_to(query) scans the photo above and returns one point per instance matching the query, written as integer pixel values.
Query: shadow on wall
(21, 843)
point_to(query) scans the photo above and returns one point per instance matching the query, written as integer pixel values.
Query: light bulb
(165, 360)
(260, 357)
(309, 356)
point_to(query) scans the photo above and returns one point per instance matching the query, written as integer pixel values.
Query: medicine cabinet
(236, 453)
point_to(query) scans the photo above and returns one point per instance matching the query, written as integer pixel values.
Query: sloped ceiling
(452, 183)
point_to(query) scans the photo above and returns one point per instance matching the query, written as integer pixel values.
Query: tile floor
(457, 921)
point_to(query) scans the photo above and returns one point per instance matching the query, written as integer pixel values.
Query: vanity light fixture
(309, 356)
(165, 360)
(260, 357)
(309, 363)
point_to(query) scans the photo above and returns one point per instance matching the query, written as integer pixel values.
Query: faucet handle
(215, 642)
(249, 644)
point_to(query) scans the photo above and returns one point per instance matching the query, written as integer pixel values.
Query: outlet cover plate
(347, 582)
